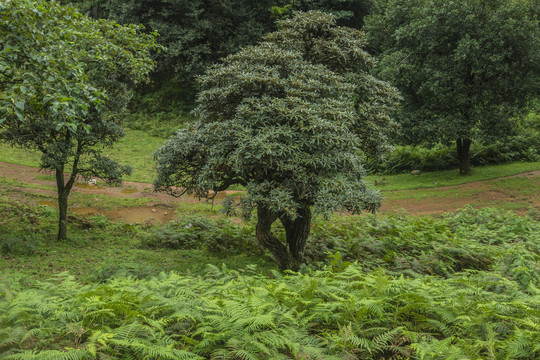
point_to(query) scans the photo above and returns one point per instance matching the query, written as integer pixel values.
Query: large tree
(464, 67)
(290, 119)
(62, 77)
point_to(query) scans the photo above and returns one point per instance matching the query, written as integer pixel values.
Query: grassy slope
(450, 177)
(435, 286)
(137, 147)
(479, 242)
(96, 246)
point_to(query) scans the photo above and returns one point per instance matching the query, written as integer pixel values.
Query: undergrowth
(403, 159)
(463, 286)
(196, 232)
(323, 314)
(482, 240)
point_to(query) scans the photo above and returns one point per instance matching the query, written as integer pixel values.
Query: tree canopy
(61, 76)
(464, 67)
(198, 33)
(288, 119)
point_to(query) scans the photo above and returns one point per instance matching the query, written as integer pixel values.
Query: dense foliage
(522, 144)
(404, 159)
(61, 74)
(464, 67)
(199, 33)
(463, 286)
(287, 119)
(479, 240)
(483, 303)
(219, 236)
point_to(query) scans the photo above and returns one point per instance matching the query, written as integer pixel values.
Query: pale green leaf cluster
(289, 119)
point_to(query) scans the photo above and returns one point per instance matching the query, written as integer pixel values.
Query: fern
(72, 354)
(484, 305)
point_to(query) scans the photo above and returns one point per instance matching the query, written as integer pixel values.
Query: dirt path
(431, 201)
(478, 193)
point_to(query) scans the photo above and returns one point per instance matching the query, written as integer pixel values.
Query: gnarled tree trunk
(463, 154)
(265, 219)
(290, 255)
(297, 232)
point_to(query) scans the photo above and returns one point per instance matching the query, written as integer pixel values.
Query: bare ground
(435, 201)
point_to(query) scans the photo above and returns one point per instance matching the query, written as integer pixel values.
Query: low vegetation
(321, 315)
(459, 286)
(404, 159)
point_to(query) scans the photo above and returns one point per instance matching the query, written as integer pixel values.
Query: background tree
(464, 67)
(288, 119)
(198, 33)
(61, 75)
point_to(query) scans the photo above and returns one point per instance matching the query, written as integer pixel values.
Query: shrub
(524, 147)
(111, 269)
(198, 232)
(19, 243)
(479, 240)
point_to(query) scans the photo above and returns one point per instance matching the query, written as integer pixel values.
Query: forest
(272, 179)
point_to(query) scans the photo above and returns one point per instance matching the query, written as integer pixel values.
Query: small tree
(61, 74)
(289, 119)
(464, 67)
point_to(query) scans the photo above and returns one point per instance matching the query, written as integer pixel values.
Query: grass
(519, 194)
(22, 184)
(514, 186)
(449, 177)
(137, 148)
(439, 285)
(77, 199)
(98, 248)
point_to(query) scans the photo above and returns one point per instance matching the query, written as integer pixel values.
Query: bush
(479, 240)
(19, 244)
(407, 158)
(111, 269)
(198, 232)
(510, 149)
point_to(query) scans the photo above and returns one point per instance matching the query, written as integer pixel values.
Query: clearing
(519, 193)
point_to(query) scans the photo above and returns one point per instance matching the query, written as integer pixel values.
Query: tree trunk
(64, 188)
(265, 219)
(297, 232)
(62, 204)
(463, 153)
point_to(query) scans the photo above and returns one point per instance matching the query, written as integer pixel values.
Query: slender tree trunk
(297, 232)
(62, 204)
(463, 153)
(63, 189)
(265, 219)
